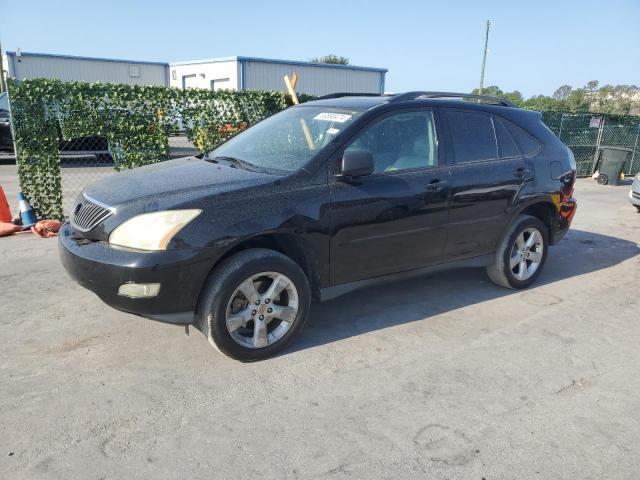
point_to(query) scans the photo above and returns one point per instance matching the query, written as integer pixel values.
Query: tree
(331, 58)
(495, 91)
(491, 91)
(577, 101)
(543, 102)
(514, 97)
(592, 86)
(613, 99)
(562, 93)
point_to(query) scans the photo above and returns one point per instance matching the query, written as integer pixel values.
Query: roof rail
(348, 94)
(413, 95)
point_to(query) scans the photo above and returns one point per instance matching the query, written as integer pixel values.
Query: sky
(534, 46)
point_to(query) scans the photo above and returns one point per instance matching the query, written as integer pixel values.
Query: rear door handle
(521, 172)
(436, 185)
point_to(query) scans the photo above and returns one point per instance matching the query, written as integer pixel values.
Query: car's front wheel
(521, 254)
(253, 304)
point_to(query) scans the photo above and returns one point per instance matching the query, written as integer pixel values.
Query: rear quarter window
(472, 136)
(507, 147)
(527, 144)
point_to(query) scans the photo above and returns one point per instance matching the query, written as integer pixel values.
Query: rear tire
(253, 304)
(521, 253)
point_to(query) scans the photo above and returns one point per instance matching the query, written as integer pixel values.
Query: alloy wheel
(262, 309)
(526, 254)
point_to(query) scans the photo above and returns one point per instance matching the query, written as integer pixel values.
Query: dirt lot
(442, 377)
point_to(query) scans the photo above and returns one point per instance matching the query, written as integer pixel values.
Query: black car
(317, 200)
(6, 140)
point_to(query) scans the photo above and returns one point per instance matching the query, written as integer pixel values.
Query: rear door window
(472, 136)
(506, 144)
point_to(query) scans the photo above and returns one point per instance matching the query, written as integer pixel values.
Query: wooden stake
(292, 92)
(294, 98)
(307, 134)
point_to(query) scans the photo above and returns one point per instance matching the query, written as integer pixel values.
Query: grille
(635, 194)
(89, 213)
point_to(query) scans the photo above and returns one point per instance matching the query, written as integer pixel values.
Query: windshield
(287, 140)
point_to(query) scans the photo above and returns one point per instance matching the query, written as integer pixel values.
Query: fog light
(139, 290)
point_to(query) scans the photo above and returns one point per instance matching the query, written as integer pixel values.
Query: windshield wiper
(234, 161)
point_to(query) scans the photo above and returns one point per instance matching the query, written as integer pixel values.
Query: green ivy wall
(136, 120)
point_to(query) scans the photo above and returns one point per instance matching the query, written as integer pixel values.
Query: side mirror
(356, 163)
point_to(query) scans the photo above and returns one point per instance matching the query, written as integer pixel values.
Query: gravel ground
(441, 377)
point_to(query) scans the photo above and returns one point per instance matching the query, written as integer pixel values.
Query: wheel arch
(287, 244)
(544, 210)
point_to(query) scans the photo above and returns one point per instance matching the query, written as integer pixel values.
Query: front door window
(402, 141)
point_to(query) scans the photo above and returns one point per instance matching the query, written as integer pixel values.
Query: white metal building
(250, 73)
(24, 65)
(236, 73)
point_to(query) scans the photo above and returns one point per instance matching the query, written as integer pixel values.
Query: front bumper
(103, 268)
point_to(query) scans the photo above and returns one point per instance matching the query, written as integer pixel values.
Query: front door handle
(521, 172)
(436, 185)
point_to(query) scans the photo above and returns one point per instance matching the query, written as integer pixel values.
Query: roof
(76, 57)
(364, 101)
(274, 60)
(355, 102)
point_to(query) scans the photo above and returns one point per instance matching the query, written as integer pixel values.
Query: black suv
(317, 200)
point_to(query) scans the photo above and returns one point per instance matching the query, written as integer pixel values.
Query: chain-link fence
(585, 133)
(89, 159)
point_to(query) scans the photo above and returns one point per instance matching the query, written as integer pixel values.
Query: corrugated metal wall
(224, 74)
(313, 80)
(87, 70)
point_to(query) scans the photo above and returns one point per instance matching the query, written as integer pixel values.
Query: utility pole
(3, 85)
(484, 55)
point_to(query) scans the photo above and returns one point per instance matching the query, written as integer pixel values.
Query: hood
(172, 177)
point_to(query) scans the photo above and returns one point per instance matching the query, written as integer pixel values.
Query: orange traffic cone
(5, 211)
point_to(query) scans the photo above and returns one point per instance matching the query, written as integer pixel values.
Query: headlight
(151, 231)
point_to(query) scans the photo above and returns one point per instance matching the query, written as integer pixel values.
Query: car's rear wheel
(521, 254)
(253, 304)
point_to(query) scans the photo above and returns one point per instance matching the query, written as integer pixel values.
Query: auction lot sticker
(332, 117)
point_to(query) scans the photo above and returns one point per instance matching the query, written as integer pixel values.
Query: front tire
(253, 304)
(521, 254)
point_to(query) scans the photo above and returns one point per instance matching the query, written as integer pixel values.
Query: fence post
(598, 142)
(560, 131)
